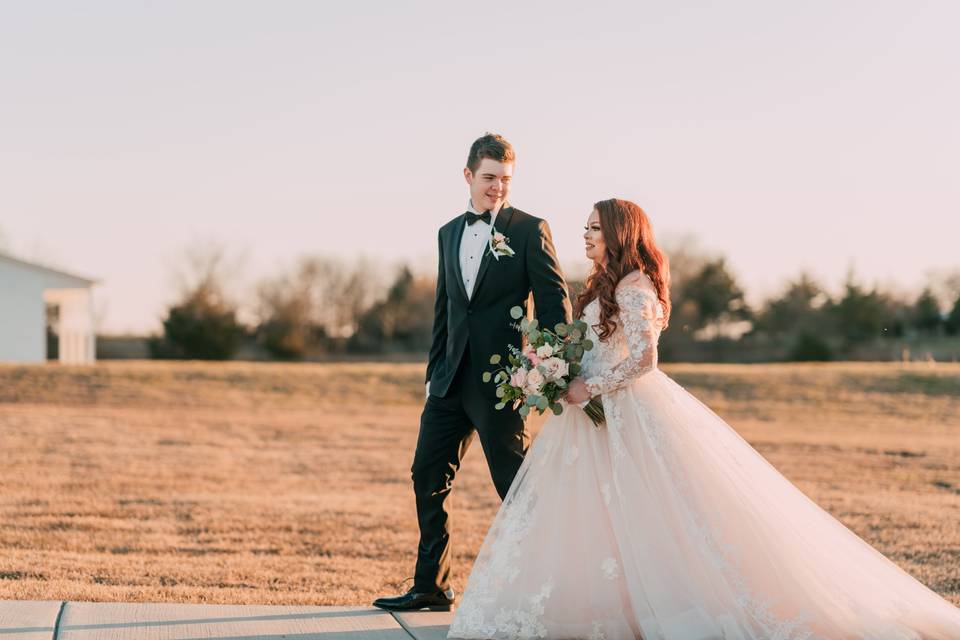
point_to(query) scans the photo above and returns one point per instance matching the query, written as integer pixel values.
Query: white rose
(555, 368)
(545, 351)
(518, 378)
(535, 381)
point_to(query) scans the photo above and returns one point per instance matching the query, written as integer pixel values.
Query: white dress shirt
(473, 244)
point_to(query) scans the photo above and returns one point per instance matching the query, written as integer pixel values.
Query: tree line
(323, 307)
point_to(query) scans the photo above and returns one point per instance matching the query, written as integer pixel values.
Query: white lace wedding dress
(666, 525)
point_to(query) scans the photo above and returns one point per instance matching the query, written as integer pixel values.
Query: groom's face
(489, 184)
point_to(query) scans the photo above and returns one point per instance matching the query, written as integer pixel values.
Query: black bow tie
(473, 217)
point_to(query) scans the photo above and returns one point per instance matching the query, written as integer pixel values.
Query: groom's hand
(577, 392)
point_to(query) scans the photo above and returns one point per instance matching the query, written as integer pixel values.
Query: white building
(27, 290)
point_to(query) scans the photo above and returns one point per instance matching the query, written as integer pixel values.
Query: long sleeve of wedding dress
(639, 318)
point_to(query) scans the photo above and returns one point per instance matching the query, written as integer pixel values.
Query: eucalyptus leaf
(587, 344)
(577, 334)
(500, 392)
(524, 411)
(499, 406)
(561, 329)
(542, 403)
(532, 400)
(574, 369)
(534, 335)
(486, 376)
(578, 351)
(516, 312)
(557, 408)
(534, 324)
(495, 358)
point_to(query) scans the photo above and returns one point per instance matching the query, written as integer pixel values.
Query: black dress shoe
(414, 600)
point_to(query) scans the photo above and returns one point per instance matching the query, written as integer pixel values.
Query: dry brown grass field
(272, 483)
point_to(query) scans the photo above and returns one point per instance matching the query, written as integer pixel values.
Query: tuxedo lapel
(501, 224)
(454, 244)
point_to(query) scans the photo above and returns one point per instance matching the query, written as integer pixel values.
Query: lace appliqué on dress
(610, 568)
(525, 622)
(638, 327)
(597, 632)
(499, 565)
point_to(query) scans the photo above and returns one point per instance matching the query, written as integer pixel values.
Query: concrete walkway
(56, 620)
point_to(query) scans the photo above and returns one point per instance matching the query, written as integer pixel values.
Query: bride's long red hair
(629, 241)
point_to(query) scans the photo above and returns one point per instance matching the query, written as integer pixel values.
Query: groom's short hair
(490, 145)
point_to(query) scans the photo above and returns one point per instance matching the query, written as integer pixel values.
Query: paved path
(56, 620)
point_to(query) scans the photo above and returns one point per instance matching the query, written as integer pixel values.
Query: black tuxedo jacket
(482, 323)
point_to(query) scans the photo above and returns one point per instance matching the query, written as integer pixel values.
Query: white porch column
(77, 333)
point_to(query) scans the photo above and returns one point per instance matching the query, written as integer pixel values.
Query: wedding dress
(666, 525)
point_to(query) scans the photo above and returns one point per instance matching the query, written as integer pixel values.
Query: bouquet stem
(594, 410)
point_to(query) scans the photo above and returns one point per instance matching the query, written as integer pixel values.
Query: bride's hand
(577, 391)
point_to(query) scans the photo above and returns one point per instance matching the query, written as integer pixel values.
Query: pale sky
(785, 135)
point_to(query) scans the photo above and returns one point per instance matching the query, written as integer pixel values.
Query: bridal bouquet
(536, 376)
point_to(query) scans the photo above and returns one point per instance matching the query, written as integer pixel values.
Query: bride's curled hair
(629, 242)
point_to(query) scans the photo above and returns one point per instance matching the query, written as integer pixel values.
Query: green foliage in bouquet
(536, 376)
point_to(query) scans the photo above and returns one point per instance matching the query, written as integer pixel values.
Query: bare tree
(945, 284)
(320, 299)
(287, 326)
(339, 291)
(687, 259)
(357, 288)
(203, 322)
(207, 265)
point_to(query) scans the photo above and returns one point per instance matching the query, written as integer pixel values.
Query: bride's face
(593, 237)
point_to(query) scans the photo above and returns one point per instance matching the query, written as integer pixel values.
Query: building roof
(77, 281)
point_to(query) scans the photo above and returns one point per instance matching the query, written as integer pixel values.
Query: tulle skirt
(666, 525)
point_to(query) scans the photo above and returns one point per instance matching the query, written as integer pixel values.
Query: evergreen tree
(925, 315)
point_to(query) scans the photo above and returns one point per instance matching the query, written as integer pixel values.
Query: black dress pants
(447, 427)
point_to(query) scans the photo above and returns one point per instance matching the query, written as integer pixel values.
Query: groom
(491, 258)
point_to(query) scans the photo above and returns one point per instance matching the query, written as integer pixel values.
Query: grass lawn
(290, 484)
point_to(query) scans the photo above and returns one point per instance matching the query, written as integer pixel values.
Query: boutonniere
(499, 244)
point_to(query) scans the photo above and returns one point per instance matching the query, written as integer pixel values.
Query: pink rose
(518, 378)
(530, 354)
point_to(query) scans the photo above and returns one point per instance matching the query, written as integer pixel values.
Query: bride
(665, 524)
